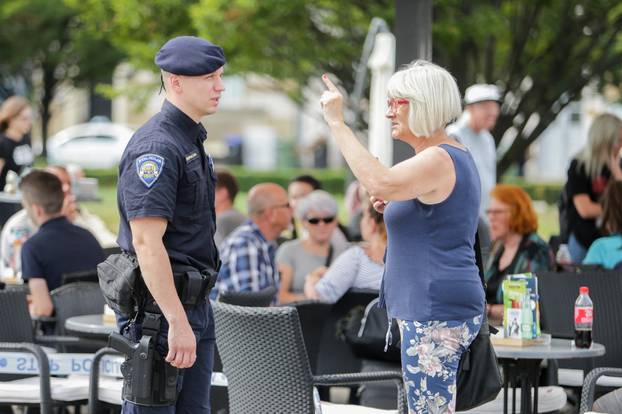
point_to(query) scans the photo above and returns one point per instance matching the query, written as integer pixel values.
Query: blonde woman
(588, 176)
(15, 124)
(431, 282)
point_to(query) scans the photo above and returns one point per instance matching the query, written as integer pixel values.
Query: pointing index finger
(329, 84)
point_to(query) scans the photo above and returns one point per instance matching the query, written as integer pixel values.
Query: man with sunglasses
(248, 253)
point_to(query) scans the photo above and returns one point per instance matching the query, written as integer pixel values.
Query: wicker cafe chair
(76, 299)
(267, 367)
(261, 298)
(609, 403)
(219, 398)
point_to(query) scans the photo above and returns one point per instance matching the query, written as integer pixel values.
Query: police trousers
(193, 384)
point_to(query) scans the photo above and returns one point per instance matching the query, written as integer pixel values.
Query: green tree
(136, 27)
(541, 53)
(291, 40)
(46, 38)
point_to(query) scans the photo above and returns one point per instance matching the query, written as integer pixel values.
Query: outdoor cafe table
(90, 326)
(524, 363)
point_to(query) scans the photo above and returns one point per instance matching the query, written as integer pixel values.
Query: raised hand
(332, 102)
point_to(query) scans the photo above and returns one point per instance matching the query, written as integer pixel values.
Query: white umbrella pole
(382, 65)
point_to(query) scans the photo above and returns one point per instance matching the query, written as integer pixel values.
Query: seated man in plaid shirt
(248, 253)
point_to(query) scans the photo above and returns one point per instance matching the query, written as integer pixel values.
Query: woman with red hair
(516, 247)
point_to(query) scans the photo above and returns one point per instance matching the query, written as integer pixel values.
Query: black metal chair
(17, 335)
(266, 362)
(261, 298)
(95, 405)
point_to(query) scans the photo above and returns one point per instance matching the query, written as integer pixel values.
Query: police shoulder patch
(149, 167)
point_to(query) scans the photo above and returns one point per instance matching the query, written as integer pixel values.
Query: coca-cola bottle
(583, 319)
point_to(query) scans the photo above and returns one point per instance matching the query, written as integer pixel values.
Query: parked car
(95, 144)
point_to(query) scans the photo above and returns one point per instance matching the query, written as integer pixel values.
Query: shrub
(333, 180)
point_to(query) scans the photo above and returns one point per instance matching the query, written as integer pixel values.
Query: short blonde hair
(433, 94)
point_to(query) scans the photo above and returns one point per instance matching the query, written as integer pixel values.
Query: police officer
(166, 203)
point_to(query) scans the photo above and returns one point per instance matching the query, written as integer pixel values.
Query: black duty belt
(193, 285)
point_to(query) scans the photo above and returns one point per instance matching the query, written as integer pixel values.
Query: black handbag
(478, 378)
(365, 330)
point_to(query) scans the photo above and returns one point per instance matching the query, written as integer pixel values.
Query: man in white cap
(473, 130)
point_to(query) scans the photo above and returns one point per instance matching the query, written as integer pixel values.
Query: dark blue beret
(190, 56)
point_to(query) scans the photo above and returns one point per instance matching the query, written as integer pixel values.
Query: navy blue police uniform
(165, 172)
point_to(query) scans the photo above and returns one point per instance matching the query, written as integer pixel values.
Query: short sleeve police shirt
(165, 172)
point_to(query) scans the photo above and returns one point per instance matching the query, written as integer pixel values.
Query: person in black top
(58, 247)
(15, 124)
(588, 175)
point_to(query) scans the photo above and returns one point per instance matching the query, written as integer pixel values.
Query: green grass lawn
(107, 210)
(548, 219)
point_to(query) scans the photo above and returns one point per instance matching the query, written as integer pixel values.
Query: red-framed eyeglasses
(393, 103)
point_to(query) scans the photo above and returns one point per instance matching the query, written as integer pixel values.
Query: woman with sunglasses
(297, 258)
(359, 267)
(430, 201)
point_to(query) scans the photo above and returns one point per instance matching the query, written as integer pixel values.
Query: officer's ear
(175, 83)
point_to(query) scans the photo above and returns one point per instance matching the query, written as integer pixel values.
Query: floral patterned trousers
(431, 353)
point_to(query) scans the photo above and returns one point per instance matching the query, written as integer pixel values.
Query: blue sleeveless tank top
(430, 269)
